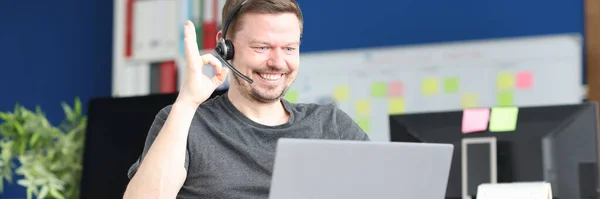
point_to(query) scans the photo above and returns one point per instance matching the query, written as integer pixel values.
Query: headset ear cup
(230, 50)
(219, 49)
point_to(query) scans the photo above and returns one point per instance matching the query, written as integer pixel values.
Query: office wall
(334, 24)
(52, 51)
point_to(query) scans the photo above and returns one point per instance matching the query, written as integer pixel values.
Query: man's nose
(277, 58)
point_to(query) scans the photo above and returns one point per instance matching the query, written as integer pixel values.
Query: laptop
(318, 169)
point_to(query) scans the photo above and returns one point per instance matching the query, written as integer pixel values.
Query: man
(224, 147)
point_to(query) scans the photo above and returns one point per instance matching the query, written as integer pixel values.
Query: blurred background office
(376, 59)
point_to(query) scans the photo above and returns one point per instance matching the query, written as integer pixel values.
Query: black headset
(224, 48)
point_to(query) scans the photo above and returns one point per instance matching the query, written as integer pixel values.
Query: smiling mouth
(270, 76)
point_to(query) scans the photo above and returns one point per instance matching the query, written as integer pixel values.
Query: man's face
(267, 50)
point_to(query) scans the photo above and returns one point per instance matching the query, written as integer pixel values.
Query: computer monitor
(557, 144)
(115, 136)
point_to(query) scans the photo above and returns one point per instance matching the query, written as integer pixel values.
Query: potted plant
(47, 157)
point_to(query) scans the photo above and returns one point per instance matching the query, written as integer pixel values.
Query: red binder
(129, 28)
(168, 77)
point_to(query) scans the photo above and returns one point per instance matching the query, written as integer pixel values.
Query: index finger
(191, 46)
(212, 60)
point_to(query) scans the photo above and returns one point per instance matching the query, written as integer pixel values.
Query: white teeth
(270, 76)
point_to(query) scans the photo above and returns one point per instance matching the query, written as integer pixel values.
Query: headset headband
(230, 18)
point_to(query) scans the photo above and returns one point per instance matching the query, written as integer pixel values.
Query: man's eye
(290, 49)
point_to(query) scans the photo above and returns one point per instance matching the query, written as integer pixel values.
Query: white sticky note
(515, 190)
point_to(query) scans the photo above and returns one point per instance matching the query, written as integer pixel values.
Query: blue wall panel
(53, 51)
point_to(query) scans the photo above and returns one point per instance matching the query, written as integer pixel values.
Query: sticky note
(291, 96)
(430, 86)
(524, 80)
(395, 89)
(469, 100)
(505, 81)
(503, 119)
(396, 105)
(475, 120)
(451, 85)
(379, 89)
(505, 98)
(341, 93)
(362, 107)
(364, 124)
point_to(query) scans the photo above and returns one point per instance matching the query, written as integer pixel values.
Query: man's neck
(270, 114)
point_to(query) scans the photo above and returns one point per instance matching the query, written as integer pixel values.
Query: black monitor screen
(115, 137)
(556, 144)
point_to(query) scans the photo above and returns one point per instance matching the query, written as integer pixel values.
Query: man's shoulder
(325, 111)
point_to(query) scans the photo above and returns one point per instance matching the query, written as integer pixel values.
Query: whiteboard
(370, 84)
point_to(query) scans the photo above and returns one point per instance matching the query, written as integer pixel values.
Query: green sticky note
(291, 96)
(429, 86)
(396, 105)
(503, 119)
(451, 85)
(362, 107)
(505, 81)
(364, 124)
(378, 89)
(505, 98)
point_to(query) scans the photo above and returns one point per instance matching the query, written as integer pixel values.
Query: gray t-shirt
(230, 156)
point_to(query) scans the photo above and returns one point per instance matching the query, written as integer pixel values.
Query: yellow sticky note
(291, 96)
(430, 86)
(362, 107)
(341, 93)
(469, 100)
(364, 124)
(396, 105)
(503, 119)
(505, 81)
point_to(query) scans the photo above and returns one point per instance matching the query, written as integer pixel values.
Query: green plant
(49, 157)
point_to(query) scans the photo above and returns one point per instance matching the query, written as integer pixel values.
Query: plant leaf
(19, 128)
(5, 116)
(1, 185)
(77, 106)
(23, 182)
(29, 193)
(34, 138)
(54, 193)
(43, 192)
(68, 111)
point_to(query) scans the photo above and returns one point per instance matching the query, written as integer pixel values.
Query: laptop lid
(315, 169)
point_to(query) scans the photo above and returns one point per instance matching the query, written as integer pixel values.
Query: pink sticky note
(395, 89)
(475, 120)
(524, 79)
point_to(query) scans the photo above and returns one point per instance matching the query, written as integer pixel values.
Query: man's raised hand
(197, 87)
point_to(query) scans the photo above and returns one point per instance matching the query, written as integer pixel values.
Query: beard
(253, 93)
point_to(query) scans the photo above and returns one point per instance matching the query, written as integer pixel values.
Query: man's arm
(163, 165)
(347, 128)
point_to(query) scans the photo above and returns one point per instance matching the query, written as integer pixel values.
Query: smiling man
(224, 147)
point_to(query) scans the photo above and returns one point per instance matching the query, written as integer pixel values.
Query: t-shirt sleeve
(155, 128)
(347, 128)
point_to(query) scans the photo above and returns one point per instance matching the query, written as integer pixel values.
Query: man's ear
(219, 34)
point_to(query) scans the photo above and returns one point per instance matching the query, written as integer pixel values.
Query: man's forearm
(161, 173)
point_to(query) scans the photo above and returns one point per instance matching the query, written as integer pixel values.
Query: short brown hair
(258, 7)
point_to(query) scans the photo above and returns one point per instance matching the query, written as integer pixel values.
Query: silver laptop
(315, 169)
